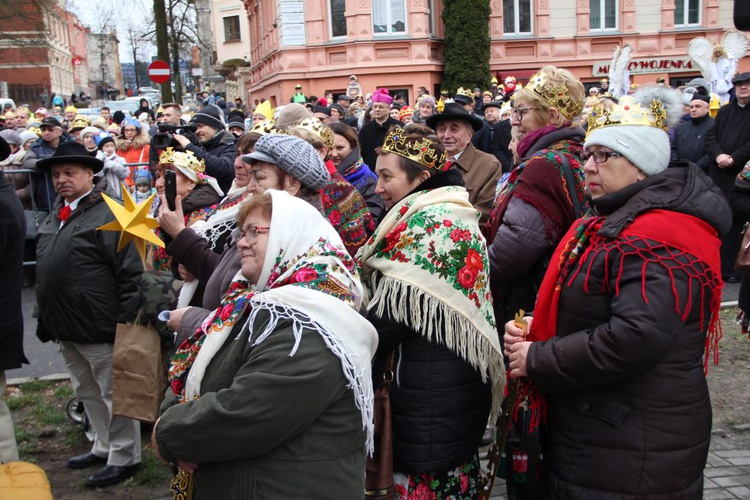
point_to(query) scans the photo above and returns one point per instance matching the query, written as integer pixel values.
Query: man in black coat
(689, 137)
(12, 236)
(728, 147)
(373, 133)
(216, 145)
(84, 288)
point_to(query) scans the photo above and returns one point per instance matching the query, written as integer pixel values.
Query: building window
(232, 29)
(517, 17)
(687, 12)
(338, 17)
(603, 15)
(388, 16)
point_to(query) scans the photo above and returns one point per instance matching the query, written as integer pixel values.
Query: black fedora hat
(70, 153)
(453, 111)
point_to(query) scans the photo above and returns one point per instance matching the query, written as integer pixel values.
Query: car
(130, 106)
(147, 90)
(3, 102)
(91, 113)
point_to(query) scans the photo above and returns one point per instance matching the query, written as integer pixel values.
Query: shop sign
(650, 65)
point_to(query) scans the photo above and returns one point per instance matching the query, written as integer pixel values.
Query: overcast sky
(140, 10)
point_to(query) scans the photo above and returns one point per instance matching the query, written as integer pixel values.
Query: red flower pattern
(467, 276)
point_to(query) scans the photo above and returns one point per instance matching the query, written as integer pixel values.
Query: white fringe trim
(439, 322)
(355, 370)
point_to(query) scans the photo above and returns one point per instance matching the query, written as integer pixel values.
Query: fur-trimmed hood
(139, 141)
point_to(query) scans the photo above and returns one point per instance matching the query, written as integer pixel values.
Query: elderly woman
(624, 319)
(283, 162)
(537, 204)
(348, 161)
(275, 384)
(425, 108)
(426, 270)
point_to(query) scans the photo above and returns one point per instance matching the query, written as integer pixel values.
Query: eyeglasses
(600, 156)
(521, 112)
(250, 234)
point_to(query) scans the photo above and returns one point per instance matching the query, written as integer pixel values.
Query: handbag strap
(572, 186)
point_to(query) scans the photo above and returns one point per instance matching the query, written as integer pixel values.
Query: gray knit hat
(294, 156)
(210, 115)
(646, 147)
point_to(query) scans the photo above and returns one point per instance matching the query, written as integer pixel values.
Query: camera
(164, 139)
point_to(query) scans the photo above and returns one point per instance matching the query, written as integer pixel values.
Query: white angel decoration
(619, 76)
(718, 63)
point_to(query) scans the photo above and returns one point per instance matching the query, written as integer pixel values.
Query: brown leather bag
(742, 263)
(379, 467)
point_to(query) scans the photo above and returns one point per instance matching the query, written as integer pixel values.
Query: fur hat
(294, 156)
(210, 115)
(643, 142)
(291, 114)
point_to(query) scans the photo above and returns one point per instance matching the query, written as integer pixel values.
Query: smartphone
(170, 188)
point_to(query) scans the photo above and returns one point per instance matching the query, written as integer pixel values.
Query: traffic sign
(159, 72)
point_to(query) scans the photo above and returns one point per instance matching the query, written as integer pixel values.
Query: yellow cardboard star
(133, 222)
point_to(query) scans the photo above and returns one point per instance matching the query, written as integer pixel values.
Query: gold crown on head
(628, 112)
(180, 159)
(316, 127)
(556, 96)
(80, 121)
(422, 151)
(465, 92)
(265, 127)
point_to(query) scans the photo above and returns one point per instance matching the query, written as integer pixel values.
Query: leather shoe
(85, 460)
(111, 474)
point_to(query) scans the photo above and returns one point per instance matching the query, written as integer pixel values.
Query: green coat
(270, 426)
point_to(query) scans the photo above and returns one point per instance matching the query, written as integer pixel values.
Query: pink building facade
(398, 43)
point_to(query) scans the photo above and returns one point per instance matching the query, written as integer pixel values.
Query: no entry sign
(159, 72)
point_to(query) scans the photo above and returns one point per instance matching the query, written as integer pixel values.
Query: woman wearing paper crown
(427, 273)
(628, 317)
(275, 390)
(197, 192)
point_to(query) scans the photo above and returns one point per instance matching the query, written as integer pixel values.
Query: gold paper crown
(265, 127)
(556, 96)
(316, 127)
(180, 159)
(72, 109)
(80, 121)
(465, 92)
(422, 151)
(628, 112)
(36, 130)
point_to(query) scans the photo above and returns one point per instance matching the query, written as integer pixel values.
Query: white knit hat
(645, 146)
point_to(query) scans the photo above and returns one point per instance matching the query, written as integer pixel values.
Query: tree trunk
(162, 44)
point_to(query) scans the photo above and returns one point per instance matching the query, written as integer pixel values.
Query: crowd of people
(317, 248)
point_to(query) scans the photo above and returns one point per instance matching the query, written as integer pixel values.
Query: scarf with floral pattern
(426, 265)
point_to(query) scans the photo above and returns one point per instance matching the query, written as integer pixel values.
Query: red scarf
(696, 240)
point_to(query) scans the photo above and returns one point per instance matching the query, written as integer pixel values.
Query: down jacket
(629, 410)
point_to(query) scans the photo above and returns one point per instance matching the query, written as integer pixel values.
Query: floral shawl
(347, 211)
(308, 279)
(426, 265)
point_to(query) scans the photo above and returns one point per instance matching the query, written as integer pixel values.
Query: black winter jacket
(688, 141)
(219, 154)
(84, 285)
(629, 410)
(12, 239)
(439, 404)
